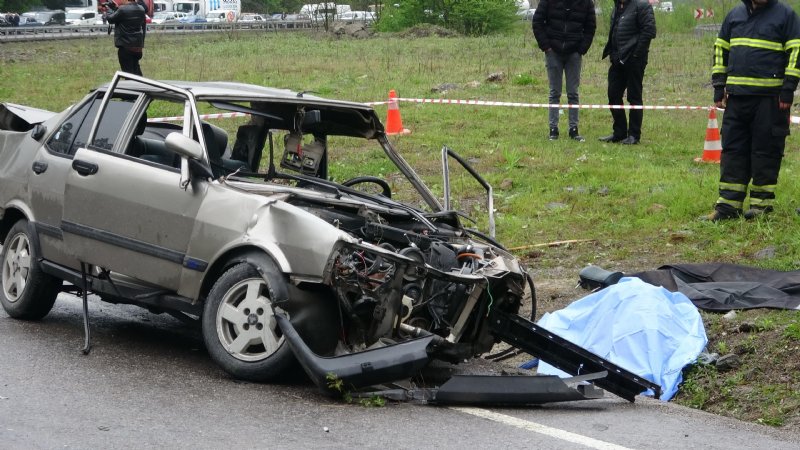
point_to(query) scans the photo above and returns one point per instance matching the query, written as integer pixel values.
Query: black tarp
(723, 287)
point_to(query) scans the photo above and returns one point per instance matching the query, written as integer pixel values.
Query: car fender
(19, 205)
(299, 242)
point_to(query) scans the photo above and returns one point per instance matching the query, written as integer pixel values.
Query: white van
(220, 15)
(81, 17)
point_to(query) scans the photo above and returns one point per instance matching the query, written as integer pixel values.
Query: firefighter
(755, 73)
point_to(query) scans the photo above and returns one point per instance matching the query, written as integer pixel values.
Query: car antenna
(300, 94)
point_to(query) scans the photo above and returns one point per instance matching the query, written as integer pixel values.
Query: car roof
(229, 90)
(342, 117)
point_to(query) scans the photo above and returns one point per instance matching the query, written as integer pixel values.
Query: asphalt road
(148, 382)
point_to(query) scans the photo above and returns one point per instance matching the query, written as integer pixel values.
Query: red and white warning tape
(447, 101)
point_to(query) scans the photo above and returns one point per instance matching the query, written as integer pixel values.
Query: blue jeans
(557, 66)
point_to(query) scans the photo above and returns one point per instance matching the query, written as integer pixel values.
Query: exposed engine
(419, 280)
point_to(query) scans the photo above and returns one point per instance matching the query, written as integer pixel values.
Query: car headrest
(216, 140)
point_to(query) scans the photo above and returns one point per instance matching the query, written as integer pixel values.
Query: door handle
(84, 168)
(39, 167)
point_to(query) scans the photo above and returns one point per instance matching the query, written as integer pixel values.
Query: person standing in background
(129, 25)
(633, 26)
(755, 73)
(564, 30)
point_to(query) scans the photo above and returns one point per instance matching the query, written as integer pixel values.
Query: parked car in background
(167, 17)
(82, 17)
(357, 16)
(192, 19)
(297, 20)
(250, 18)
(43, 18)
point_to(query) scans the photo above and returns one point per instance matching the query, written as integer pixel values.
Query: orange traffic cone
(713, 145)
(394, 124)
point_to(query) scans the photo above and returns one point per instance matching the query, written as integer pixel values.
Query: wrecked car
(256, 228)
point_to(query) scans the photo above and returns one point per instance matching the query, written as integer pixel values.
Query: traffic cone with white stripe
(712, 149)
(394, 124)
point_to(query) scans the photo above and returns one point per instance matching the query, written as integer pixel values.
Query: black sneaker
(573, 134)
(553, 133)
(754, 213)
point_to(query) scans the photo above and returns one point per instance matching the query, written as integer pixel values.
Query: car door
(124, 213)
(48, 176)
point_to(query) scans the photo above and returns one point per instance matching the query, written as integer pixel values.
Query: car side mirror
(184, 146)
(38, 131)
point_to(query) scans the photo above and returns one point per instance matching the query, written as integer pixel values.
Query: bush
(469, 17)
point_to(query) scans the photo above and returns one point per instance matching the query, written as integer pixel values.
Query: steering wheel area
(386, 191)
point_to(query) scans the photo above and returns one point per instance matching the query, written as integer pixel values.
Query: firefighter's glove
(786, 96)
(719, 94)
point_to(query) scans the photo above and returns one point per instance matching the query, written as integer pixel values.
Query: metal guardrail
(21, 34)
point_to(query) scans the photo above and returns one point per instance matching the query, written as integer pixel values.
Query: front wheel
(27, 292)
(239, 326)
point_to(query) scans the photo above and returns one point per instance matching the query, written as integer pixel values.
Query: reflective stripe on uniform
(761, 202)
(722, 43)
(791, 68)
(792, 43)
(750, 81)
(765, 188)
(757, 43)
(734, 203)
(719, 58)
(732, 187)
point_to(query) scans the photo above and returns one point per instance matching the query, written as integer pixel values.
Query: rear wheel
(27, 292)
(239, 326)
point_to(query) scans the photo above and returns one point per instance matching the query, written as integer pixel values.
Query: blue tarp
(645, 329)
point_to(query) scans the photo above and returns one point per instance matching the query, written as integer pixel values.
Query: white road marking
(541, 429)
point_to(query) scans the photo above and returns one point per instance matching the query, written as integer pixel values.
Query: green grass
(636, 204)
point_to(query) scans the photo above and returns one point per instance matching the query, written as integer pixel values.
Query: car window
(114, 116)
(72, 133)
(148, 140)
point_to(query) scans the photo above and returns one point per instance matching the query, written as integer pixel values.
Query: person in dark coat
(633, 26)
(755, 73)
(564, 30)
(129, 25)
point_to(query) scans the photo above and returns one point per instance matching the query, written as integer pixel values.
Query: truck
(229, 9)
(162, 6)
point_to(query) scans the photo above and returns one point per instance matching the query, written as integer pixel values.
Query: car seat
(153, 150)
(216, 142)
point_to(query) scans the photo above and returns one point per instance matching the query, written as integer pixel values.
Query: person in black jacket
(564, 30)
(755, 73)
(633, 26)
(129, 26)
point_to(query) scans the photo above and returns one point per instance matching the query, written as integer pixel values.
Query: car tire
(239, 327)
(26, 292)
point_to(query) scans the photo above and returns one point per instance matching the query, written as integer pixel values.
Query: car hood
(15, 117)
